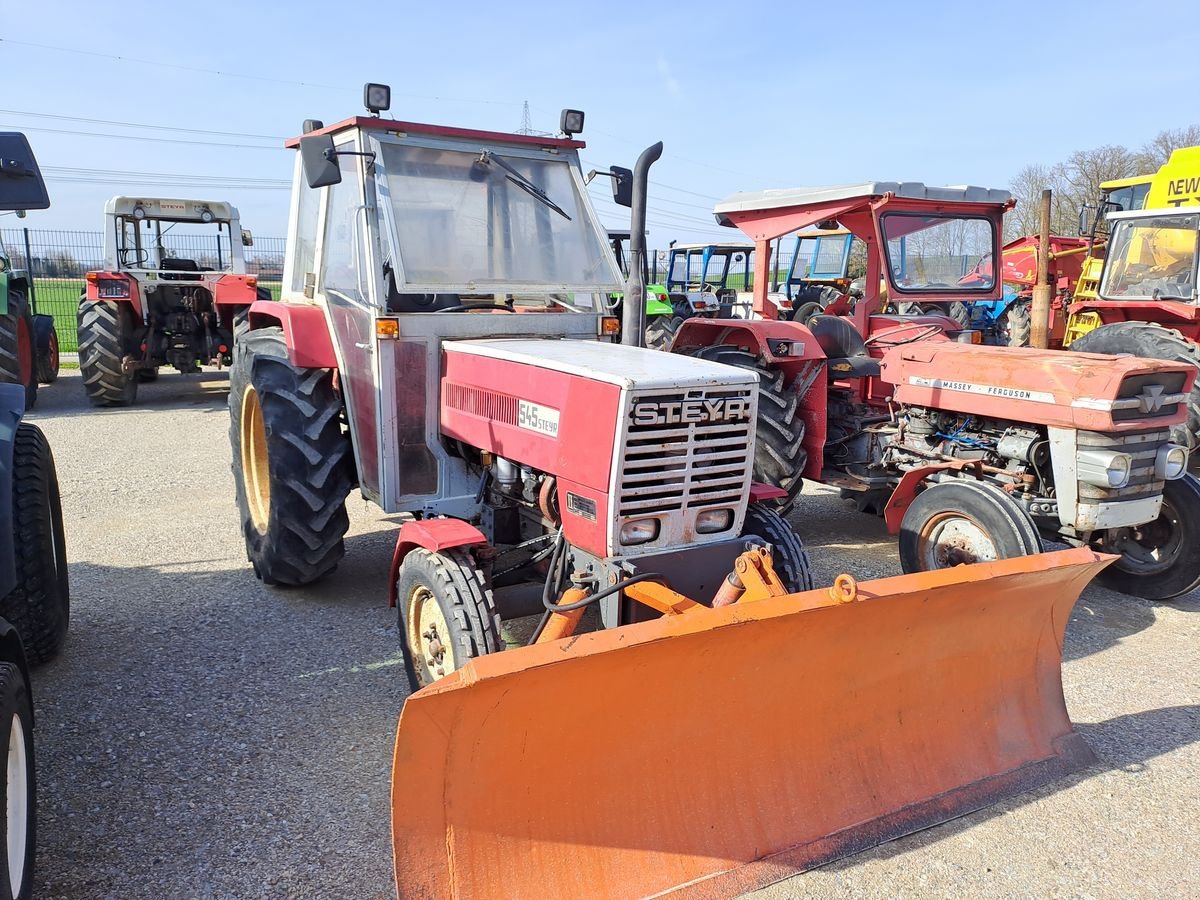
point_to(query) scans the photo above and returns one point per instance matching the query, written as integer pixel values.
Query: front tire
(39, 607)
(963, 522)
(292, 465)
(105, 330)
(779, 454)
(1152, 341)
(788, 556)
(447, 613)
(1159, 560)
(20, 786)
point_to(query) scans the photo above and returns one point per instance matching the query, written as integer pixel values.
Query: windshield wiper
(487, 158)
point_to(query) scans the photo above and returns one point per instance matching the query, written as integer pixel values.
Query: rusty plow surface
(719, 750)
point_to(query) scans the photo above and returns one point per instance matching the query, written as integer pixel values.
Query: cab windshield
(490, 219)
(932, 253)
(1152, 258)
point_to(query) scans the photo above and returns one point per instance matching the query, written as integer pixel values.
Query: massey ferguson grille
(1150, 396)
(679, 466)
(1143, 446)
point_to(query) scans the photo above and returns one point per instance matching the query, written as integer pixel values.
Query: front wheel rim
(429, 636)
(18, 805)
(1151, 548)
(952, 539)
(256, 475)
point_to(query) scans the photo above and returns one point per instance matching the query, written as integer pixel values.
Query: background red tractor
(174, 291)
(969, 452)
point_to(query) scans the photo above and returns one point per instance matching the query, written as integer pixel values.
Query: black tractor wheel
(959, 312)
(105, 330)
(660, 331)
(39, 607)
(1152, 341)
(779, 454)
(1015, 325)
(788, 556)
(806, 311)
(1159, 560)
(447, 614)
(47, 349)
(18, 353)
(19, 789)
(292, 463)
(960, 522)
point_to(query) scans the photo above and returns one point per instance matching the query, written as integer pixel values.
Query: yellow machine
(1177, 183)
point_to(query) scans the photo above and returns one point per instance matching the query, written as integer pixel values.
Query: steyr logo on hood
(686, 412)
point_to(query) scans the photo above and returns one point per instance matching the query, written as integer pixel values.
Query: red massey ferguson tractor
(165, 297)
(969, 452)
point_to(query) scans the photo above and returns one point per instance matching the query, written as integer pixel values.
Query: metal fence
(59, 260)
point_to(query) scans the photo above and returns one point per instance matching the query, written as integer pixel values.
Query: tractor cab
(921, 241)
(406, 236)
(1152, 258)
(156, 238)
(820, 259)
(706, 279)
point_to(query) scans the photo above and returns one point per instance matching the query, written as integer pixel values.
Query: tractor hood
(1086, 391)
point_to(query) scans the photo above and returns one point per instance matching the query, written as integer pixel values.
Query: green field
(59, 297)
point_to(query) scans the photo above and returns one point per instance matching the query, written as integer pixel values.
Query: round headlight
(139, 212)
(1118, 470)
(206, 216)
(1171, 462)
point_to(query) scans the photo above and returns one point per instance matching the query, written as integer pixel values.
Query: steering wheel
(473, 307)
(923, 329)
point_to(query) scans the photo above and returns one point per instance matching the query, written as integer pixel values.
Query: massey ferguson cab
(165, 297)
(970, 452)
(442, 343)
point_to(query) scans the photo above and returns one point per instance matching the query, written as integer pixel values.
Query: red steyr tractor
(443, 342)
(165, 297)
(969, 452)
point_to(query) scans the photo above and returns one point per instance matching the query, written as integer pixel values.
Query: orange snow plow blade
(719, 750)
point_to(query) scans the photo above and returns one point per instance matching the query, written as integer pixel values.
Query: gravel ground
(205, 736)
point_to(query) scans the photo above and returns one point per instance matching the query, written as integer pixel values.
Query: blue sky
(744, 96)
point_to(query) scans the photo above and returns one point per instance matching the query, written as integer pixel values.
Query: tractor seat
(173, 264)
(844, 348)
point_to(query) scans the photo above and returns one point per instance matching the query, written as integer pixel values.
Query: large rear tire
(779, 454)
(105, 330)
(1153, 341)
(39, 607)
(1159, 560)
(1016, 324)
(788, 556)
(962, 522)
(18, 353)
(447, 613)
(292, 463)
(19, 788)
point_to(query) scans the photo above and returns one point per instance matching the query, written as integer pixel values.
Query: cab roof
(780, 198)
(373, 123)
(735, 248)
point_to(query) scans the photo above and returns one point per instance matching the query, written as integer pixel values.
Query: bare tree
(1158, 151)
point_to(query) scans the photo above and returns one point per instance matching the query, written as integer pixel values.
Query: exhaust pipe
(633, 311)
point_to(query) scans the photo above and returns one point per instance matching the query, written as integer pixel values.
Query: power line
(135, 137)
(116, 173)
(21, 112)
(225, 74)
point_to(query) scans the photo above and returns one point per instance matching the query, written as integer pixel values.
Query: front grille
(1136, 398)
(1143, 446)
(685, 467)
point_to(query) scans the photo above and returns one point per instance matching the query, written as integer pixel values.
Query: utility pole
(1039, 313)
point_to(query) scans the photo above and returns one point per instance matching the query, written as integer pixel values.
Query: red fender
(305, 331)
(906, 490)
(434, 535)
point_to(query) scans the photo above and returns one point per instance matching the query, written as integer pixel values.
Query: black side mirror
(21, 184)
(622, 181)
(1085, 220)
(319, 158)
